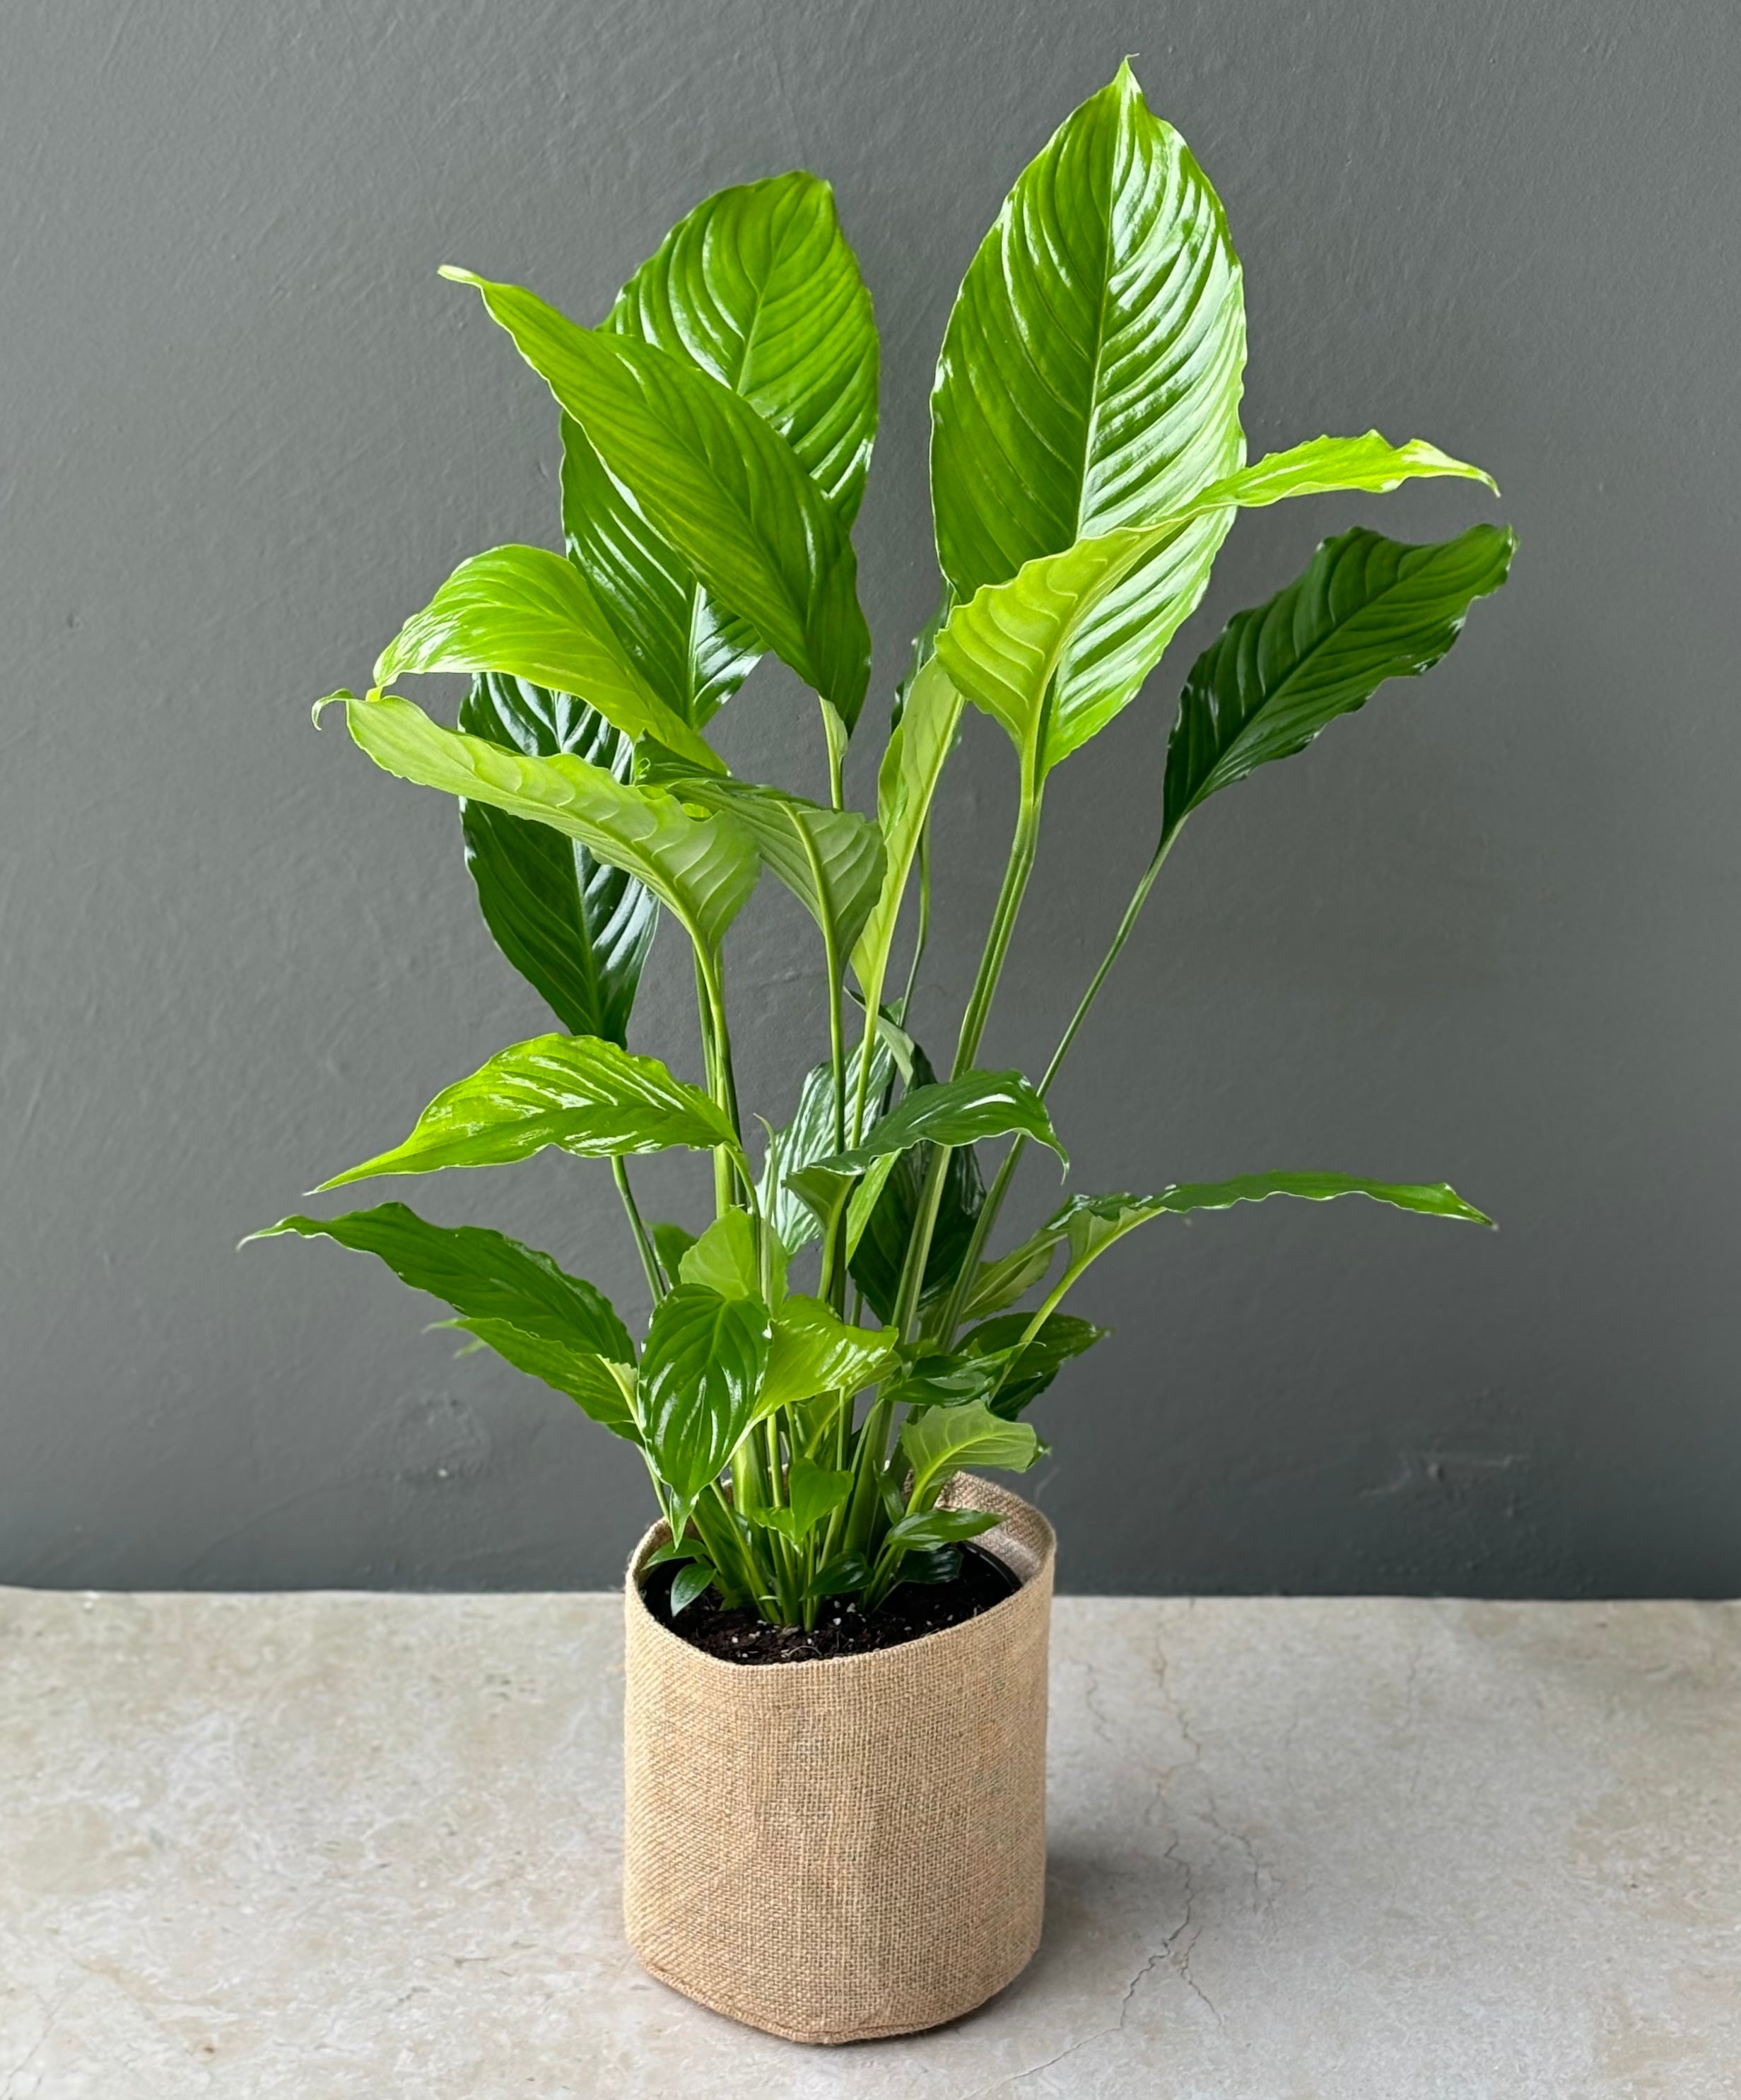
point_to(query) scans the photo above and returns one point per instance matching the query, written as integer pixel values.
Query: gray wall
(1485, 931)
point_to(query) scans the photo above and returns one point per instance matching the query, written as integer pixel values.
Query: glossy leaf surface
(1025, 1372)
(584, 1375)
(943, 1439)
(1367, 609)
(704, 867)
(757, 288)
(1091, 379)
(576, 928)
(1005, 648)
(587, 1096)
(978, 1105)
(810, 1136)
(482, 1275)
(532, 615)
(812, 1351)
(705, 471)
(907, 785)
(831, 860)
(699, 1374)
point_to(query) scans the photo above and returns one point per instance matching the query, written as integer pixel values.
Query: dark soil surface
(905, 1614)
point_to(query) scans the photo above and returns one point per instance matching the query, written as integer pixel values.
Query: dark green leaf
(946, 1379)
(757, 288)
(704, 470)
(1367, 609)
(846, 1574)
(689, 1584)
(482, 1274)
(583, 1374)
(940, 1527)
(700, 1373)
(675, 1549)
(578, 1092)
(1091, 379)
(671, 1243)
(576, 930)
(929, 1564)
(703, 866)
(879, 1249)
(1024, 1375)
(531, 613)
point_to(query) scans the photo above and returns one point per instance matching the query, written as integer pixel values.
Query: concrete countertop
(314, 1846)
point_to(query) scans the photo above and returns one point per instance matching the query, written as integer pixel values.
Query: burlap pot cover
(833, 1851)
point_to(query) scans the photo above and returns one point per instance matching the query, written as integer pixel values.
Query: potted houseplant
(835, 1684)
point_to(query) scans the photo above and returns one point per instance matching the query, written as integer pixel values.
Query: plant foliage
(1087, 461)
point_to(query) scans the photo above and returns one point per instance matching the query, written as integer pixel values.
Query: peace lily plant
(844, 1334)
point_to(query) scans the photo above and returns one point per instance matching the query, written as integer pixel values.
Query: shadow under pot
(833, 1851)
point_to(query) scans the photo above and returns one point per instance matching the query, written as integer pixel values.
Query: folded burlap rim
(839, 1850)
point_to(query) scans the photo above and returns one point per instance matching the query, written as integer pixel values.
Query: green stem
(922, 933)
(995, 1196)
(643, 1245)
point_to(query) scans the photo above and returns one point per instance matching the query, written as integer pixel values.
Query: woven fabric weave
(838, 1850)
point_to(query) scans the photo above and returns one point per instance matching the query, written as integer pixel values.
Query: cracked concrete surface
(352, 1847)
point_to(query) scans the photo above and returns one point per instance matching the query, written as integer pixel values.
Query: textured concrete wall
(1485, 931)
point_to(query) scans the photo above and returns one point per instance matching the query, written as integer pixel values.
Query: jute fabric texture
(835, 1851)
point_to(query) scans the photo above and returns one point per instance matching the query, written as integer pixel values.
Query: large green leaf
(575, 928)
(1091, 379)
(724, 487)
(1367, 609)
(954, 1112)
(879, 1248)
(704, 867)
(831, 860)
(482, 1275)
(757, 288)
(584, 1375)
(1005, 648)
(588, 1096)
(699, 1375)
(813, 1350)
(912, 765)
(533, 615)
(939, 1442)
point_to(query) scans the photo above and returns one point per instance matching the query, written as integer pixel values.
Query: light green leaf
(1091, 379)
(954, 1112)
(814, 1493)
(532, 615)
(906, 783)
(584, 1375)
(700, 1373)
(757, 288)
(813, 1350)
(587, 1096)
(577, 930)
(942, 1440)
(1005, 647)
(831, 860)
(703, 867)
(1090, 1225)
(482, 1275)
(1367, 609)
(724, 1258)
(1011, 1276)
(704, 470)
